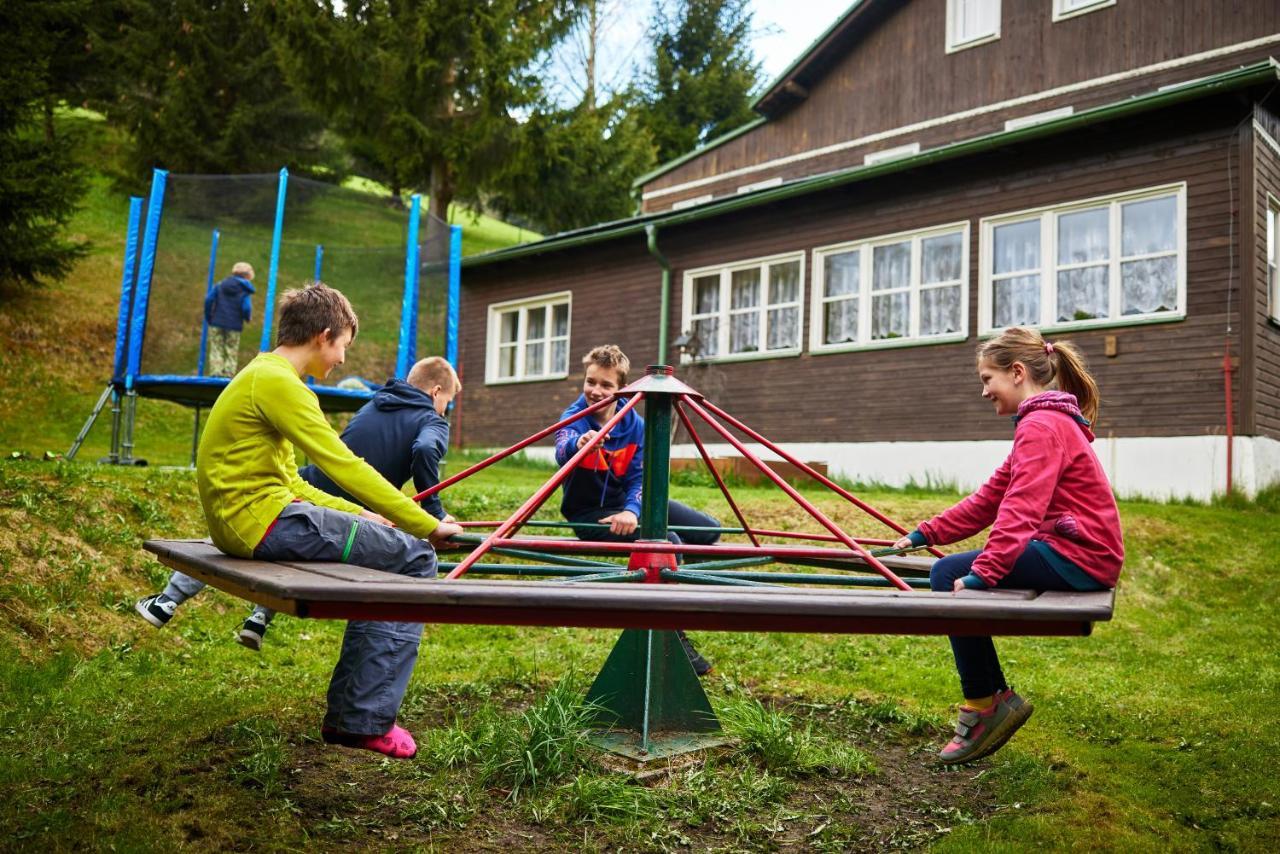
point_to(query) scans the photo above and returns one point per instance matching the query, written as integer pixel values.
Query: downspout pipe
(651, 232)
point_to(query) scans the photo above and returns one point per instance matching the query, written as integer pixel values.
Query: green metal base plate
(662, 745)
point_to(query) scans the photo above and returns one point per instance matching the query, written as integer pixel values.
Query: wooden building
(927, 173)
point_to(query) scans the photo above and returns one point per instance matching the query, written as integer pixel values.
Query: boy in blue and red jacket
(605, 487)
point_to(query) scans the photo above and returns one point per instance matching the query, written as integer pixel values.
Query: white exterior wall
(1157, 467)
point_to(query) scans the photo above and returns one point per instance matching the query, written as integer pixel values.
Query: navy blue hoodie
(611, 477)
(227, 304)
(399, 434)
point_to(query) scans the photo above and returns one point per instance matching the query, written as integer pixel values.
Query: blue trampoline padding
(203, 391)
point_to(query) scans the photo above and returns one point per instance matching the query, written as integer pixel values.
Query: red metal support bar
(518, 446)
(809, 470)
(536, 500)
(706, 458)
(795, 496)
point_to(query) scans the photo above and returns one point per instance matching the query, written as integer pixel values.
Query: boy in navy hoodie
(227, 308)
(605, 487)
(401, 432)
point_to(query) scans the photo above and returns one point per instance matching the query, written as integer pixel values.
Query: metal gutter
(651, 231)
(1248, 75)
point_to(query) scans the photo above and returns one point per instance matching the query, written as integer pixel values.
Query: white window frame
(1273, 259)
(524, 306)
(1062, 13)
(866, 250)
(900, 152)
(953, 42)
(1048, 269)
(723, 312)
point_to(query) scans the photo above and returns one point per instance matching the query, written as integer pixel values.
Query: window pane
(744, 332)
(889, 316)
(940, 258)
(509, 327)
(1084, 236)
(506, 362)
(891, 266)
(784, 328)
(533, 355)
(536, 324)
(840, 324)
(940, 310)
(784, 282)
(842, 273)
(708, 334)
(706, 294)
(1017, 246)
(1149, 226)
(744, 288)
(1149, 286)
(1016, 301)
(560, 322)
(559, 357)
(975, 18)
(1083, 294)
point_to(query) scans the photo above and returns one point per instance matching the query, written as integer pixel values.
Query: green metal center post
(657, 459)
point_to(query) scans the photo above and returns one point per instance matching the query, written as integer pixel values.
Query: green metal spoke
(608, 577)
(728, 563)
(685, 576)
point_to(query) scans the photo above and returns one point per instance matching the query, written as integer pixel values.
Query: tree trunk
(593, 38)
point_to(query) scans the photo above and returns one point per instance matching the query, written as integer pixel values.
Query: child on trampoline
(256, 506)
(605, 487)
(1054, 522)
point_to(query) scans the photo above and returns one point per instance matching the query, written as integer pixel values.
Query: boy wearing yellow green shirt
(257, 506)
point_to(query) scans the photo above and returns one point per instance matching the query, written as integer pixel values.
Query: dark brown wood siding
(900, 75)
(1166, 380)
(1266, 343)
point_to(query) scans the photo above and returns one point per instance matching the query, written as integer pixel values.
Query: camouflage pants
(224, 352)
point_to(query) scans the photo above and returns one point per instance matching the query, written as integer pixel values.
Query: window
(746, 310)
(904, 288)
(528, 339)
(898, 153)
(1071, 8)
(971, 23)
(691, 203)
(1097, 262)
(1038, 118)
(761, 185)
(1273, 259)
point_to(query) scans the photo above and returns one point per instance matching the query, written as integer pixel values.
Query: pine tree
(426, 88)
(702, 73)
(40, 183)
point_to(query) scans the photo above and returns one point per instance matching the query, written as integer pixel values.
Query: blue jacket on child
(398, 433)
(227, 304)
(611, 477)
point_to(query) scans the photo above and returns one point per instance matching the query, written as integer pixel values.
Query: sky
(782, 29)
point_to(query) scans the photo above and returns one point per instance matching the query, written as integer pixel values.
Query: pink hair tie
(1048, 348)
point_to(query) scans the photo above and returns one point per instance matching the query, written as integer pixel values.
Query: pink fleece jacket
(1051, 488)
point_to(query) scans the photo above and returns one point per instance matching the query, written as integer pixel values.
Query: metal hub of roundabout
(647, 691)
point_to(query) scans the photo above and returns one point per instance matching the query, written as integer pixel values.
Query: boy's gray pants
(377, 658)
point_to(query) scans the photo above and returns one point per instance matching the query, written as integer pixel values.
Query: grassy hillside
(60, 339)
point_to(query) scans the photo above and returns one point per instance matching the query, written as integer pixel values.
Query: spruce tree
(40, 183)
(702, 73)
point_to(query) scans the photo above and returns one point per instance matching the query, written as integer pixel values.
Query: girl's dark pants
(976, 659)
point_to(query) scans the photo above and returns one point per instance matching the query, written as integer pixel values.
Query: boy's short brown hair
(307, 311)
(433, 371)
(609, 356)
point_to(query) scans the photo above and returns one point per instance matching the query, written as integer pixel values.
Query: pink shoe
(981, 733)
(397, 743)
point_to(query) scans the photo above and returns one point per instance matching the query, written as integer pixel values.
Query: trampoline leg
(126, 444)
(113, 456)
(195, 438)
(93, 416)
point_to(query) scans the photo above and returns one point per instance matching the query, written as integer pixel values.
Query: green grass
(1157, 732)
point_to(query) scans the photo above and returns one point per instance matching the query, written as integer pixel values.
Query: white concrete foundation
(1159, 467)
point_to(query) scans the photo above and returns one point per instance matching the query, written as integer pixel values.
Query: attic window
(971, 23)
(1070, 8)
(909, 150)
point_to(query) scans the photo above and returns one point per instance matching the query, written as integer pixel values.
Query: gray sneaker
(982, 733)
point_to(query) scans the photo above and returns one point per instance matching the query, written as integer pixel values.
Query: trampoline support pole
(113, 456)
(130, 411)
(195, 438)
(93, 416)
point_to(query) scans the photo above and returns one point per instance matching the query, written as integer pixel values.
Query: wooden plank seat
(342, 591)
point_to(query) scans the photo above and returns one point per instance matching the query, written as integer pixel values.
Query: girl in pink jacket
(1053, 518)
